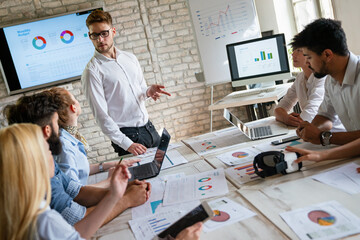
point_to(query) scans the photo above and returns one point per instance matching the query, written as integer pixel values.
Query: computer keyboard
(255, 91)
(261, 131)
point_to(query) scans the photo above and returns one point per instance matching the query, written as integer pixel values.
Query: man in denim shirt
(63, 191)
(72, 200)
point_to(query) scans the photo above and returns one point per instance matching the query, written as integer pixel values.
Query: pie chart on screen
(67, 36)
(39, 42)
(321, 217)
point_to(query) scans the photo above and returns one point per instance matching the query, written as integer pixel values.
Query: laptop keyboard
(261, 131)
(143, 171)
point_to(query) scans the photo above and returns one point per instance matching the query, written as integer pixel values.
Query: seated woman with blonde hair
(26, 166)
(73, 158)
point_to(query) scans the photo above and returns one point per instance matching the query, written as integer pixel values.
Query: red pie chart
(220, 216)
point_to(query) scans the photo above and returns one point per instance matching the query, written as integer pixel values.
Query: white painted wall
(275, 15)
(266, 14)
(280, 19)
(348, 12)
(285, 18)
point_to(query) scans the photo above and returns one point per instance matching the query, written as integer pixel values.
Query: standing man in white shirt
(324, 45)
(116, 90)
(307, 90)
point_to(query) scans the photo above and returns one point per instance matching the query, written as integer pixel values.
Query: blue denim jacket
(63, 191)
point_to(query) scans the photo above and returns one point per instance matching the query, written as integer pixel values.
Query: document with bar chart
(242, 173)
(148, 227)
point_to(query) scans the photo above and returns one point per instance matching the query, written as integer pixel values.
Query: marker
(120, 160)
(169, 159)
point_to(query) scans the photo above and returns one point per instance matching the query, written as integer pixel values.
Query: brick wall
(160, 34)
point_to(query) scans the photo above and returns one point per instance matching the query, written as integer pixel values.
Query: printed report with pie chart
(193, 187)
(226, 212)
(329, 220)
(236, 157)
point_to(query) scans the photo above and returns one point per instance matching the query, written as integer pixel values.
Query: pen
(120, 160)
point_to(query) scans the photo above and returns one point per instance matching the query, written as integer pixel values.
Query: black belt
(147, 126)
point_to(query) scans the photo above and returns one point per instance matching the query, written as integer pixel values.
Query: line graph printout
(218, 23)
(195, 187)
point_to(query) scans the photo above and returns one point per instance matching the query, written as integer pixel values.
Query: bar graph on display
(263, 56)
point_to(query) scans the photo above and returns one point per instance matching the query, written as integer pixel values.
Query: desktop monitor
(45, 52)
(258, 60)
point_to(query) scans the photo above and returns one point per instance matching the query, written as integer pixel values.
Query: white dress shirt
(344, 100)
(116, 91)
(309, 93)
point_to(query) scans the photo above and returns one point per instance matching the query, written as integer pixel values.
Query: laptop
(152, 169)
(255, 133)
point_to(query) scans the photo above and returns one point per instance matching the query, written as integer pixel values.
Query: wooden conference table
(266, 197)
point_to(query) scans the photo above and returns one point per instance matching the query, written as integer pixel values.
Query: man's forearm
(280, 114)
(323, 123)
(341, 138)
(90, 196)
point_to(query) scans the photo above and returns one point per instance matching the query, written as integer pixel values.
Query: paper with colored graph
(148, 227)
(194, 187)
(154, 204)
(329, 220)
(242, 173)
(236, 157)
(215, 141)
(226, 212)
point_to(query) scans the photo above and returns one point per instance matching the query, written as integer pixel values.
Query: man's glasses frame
(103, 34)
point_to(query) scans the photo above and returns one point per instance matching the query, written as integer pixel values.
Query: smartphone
(285, 140)
(202, 213)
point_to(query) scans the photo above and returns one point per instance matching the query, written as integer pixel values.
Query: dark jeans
(146, 135)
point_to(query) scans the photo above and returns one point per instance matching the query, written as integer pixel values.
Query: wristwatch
(101, 167)
(325, 138)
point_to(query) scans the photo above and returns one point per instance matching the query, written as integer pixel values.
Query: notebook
(152, 169)
(254, 133)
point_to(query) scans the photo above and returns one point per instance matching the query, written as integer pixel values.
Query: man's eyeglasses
(103, 34)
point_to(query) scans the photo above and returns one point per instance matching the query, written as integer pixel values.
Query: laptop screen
(235, 121)
(161, 150)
